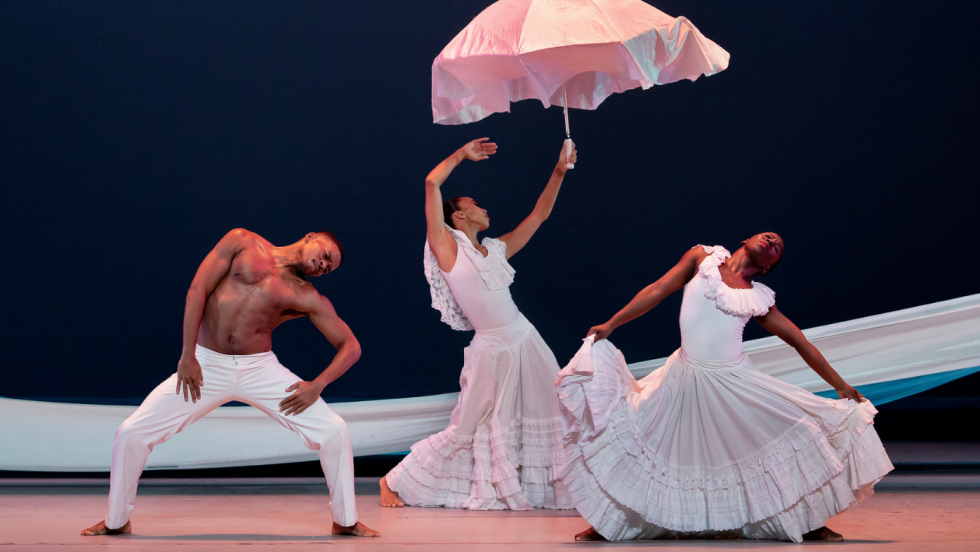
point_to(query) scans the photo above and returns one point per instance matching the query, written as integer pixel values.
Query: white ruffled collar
(494, 270)
(734, 301)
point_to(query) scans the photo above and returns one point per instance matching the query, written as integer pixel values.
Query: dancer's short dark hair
(334, 239)
(448, 208)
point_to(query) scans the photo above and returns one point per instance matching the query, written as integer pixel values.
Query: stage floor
(908, 513)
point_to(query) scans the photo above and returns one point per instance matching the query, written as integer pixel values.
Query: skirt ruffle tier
(699, 448)
(503, 446)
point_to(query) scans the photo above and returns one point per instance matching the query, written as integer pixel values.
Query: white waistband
(503, 336)
(203, 353)
(711, 364)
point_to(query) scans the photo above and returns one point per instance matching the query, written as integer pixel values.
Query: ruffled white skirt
(503, 446)
(702, 448)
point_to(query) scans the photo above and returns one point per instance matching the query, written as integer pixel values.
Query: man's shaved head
(331, 237)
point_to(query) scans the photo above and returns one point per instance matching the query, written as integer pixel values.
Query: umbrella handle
(568, 133)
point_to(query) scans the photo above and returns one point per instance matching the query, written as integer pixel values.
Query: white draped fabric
(707, 448)
(909, 349)
(502, 449)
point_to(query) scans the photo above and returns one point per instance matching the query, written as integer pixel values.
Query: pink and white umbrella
(573, 53)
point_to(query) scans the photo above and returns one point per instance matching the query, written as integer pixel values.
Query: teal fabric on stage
(886, 357)
(887, 391)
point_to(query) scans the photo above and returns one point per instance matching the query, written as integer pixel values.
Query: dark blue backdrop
(134, 135)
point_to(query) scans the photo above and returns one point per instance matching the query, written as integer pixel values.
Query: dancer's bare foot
(100, 529)
(356, 530)
(389, 498)
(823, 534)
(589, 534)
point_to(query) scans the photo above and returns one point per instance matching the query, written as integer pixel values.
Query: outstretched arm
(518, 238)
(440, 242)
(653, 294)
(780, 326)
(214, 267)
(321, 312)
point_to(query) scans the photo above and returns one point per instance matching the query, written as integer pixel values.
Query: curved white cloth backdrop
(912, 349)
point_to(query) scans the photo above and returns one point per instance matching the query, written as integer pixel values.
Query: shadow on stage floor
(932, 501)
(910, 512)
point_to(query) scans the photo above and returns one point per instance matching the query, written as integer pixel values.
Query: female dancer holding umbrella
(708, 445)
(503, 446)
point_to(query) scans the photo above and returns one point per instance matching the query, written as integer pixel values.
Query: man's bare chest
(260, 286)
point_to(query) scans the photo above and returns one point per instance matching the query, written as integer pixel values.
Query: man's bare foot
(389, 498)
(823, 534)
(100, 529)
(356, 530)
(589, 534)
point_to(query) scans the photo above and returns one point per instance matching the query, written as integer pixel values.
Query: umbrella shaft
(568, 133)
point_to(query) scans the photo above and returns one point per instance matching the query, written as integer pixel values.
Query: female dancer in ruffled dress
(503, 446)
(708, 445)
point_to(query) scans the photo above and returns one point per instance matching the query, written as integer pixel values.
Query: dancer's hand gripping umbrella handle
(568, 153)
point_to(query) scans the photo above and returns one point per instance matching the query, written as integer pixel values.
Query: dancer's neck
(288, 255)
(741, 264)
(471, 232)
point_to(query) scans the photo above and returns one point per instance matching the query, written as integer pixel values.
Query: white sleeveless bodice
(475, 294)
(485, 308)
(713, 315)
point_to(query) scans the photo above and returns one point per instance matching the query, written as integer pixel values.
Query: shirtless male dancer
(244, 289)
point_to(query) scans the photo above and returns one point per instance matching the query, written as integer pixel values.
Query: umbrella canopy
(523, 49)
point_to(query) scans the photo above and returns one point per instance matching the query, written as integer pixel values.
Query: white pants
(258, 380)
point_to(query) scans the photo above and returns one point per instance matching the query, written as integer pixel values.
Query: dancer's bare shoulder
(100, 529)
(239, 250)
(682, 272)
(240, 239)
(304, 297)
(297, 298)
(695, 256)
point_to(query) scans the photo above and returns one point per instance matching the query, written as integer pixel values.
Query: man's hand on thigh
(305, 394)
(190, 376)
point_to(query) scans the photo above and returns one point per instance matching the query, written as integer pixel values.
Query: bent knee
(125, 431)
(129, 433)
(331, 432)
(336, 432)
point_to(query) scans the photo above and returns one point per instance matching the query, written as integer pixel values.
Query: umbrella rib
(530, 78)
(604, 18)
(520, 42)
(520, 45)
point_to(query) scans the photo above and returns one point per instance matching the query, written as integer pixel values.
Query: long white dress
(707, 444)
(503, 446)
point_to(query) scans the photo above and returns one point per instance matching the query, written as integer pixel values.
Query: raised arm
(518, 238)
(321, 312)
(442, 244)
(780, 326)
(215, 266)
(652, 295)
